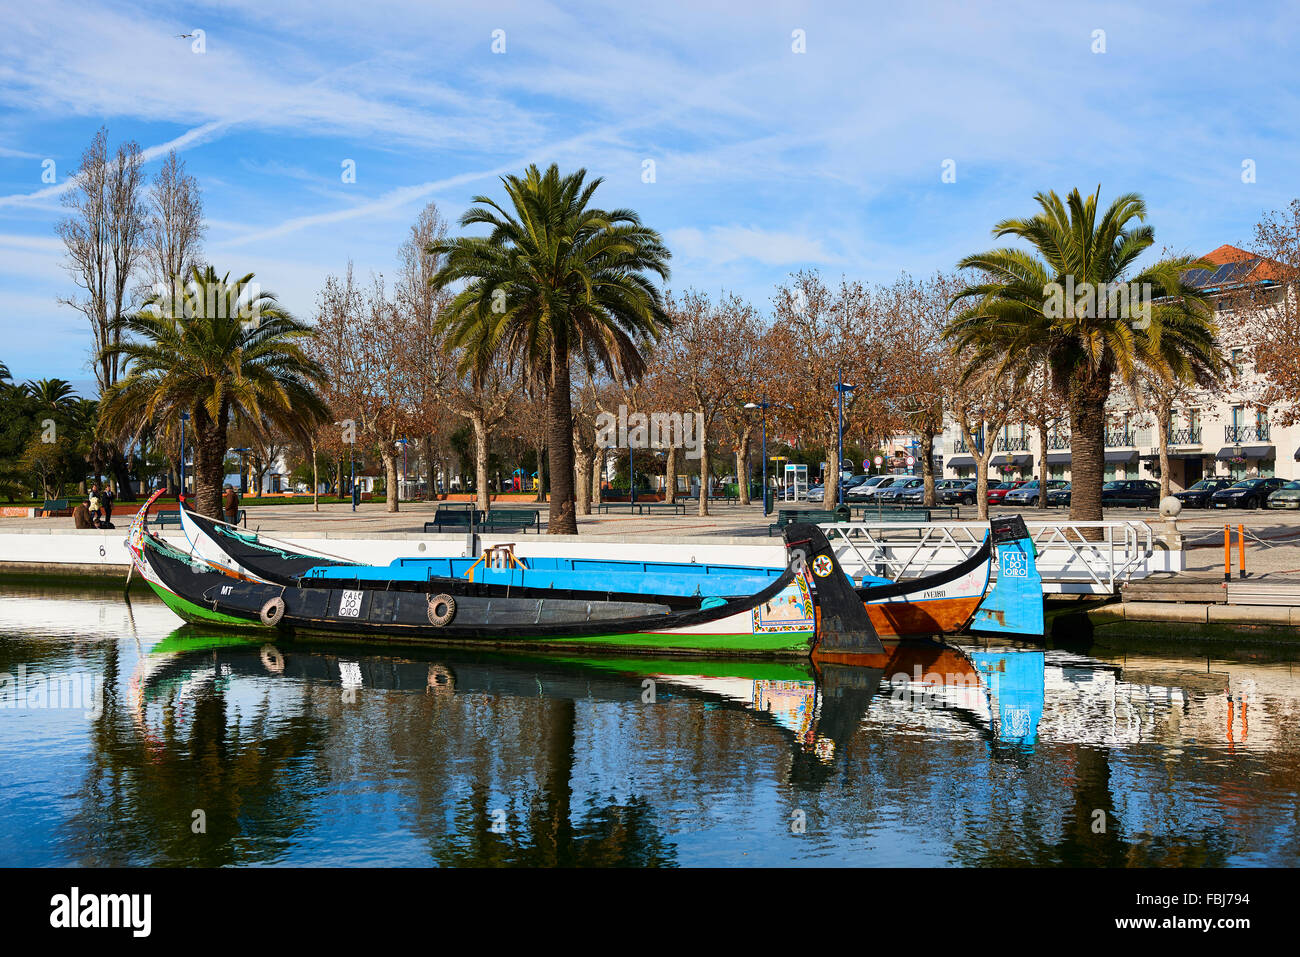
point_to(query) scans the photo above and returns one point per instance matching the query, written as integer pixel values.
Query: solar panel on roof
(1220, 275)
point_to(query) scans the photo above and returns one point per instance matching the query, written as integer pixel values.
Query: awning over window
(961, 461)
(1058, 458)
(1121, 458)
(1256, 452)
(1019, 461)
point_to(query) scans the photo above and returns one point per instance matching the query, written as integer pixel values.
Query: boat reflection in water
(225, 750)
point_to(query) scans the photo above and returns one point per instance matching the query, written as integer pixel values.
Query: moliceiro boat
(948, 602)
(810, 605)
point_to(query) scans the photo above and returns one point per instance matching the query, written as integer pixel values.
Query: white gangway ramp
(1071, 560)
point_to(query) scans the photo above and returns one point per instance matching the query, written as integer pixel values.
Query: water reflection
(213, 749)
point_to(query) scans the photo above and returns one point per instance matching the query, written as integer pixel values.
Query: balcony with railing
(1119, 438)
(1246, 433)
(1188, 436)
(1012, 443)
(1058, 440)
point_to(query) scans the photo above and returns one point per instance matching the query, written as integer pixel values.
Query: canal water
(125, 740)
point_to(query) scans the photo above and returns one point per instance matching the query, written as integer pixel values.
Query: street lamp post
(352, 464)
(840, 388)
(763, 405)
(402, 483)
(184, 418)
(243, 474)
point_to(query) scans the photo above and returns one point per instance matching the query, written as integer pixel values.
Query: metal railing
(1119, 438)
(1058, 440)
(1012, 443)
(1246, 433)
(1188, 436)
(1069, 561)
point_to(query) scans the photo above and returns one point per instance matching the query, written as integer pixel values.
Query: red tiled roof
(1253, 268)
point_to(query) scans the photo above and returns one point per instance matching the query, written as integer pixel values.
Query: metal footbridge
(1077, 558)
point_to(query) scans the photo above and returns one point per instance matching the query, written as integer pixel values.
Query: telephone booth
(796, 482)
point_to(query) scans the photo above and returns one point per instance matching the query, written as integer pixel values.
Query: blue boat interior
(585, 574)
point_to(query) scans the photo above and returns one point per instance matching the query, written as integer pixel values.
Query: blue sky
(766, 160)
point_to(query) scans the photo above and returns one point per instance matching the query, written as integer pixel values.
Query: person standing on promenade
(230, 503)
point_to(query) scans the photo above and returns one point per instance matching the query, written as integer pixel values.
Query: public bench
(789, 516)
(643, 508)
(53, 506)
(903, 513)
(167, 516)
(524, 518)
(454, 518)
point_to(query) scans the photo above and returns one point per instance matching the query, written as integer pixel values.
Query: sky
(859, 139)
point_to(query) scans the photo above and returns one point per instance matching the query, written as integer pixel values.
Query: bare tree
(707, 350)
(103, 241)
(985, 402)
(175, 227)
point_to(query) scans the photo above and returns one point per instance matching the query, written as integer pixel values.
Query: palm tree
(1019, 317)
(232, 353)
(554, 278)
(52, 395)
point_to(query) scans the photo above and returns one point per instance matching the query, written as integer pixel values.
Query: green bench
(652, 507)
(454, 518)
(524, 518)
(642, 508)
(172, 516)
(788, 516)
(53, 505)
(903, 513)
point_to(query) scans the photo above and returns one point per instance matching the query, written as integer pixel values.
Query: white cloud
(725, 244)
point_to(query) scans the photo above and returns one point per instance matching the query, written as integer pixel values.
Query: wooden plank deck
(1203, 590)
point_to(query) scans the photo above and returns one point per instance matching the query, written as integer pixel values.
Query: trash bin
(842, 513)
(767, 502)
(356, 496)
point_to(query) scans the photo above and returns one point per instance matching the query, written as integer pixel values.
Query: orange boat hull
(921, 619)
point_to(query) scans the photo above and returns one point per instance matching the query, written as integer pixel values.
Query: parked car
(891, 494)
(818, 492)
(1027, 494)
(1198, 496)
(1134, 493)
(866, 492)
(1248, 493)
(1288, 496)
(1058, 496)
(959, 493)
(998, 492)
